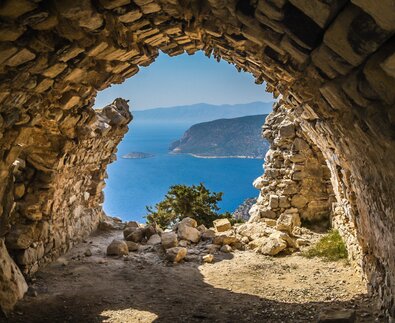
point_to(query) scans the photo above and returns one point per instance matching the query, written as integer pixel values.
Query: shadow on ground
(100, 289)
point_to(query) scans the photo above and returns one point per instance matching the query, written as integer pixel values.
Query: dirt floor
(239, 287)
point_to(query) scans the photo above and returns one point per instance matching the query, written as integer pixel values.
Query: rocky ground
(87, 285)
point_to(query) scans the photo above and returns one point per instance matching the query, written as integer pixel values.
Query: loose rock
(169, 240)
(176, 254)
(117, 248)
(132, 246)
(226, 248)
(222, 225)
(154, 240)
(186, 230)
(208, 258)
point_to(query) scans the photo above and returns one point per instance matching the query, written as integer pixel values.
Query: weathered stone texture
(12, 282)
(332, 62)
(296, 175)
(57, 183)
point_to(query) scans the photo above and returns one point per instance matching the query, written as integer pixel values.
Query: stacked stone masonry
(333, 62)
(55, 194)
(296, 176)
(297, 181)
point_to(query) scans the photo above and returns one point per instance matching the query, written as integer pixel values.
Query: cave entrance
(332, 62)
(215, 153)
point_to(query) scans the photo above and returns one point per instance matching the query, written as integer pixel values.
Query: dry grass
(330, 247)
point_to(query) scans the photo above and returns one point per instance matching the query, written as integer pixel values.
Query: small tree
(183, 201)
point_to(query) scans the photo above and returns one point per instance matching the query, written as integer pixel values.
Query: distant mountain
(237, 137)
(201, 112)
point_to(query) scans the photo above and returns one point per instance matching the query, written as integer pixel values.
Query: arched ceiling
(334, 62)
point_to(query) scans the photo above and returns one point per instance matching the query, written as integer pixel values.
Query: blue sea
(134, 183)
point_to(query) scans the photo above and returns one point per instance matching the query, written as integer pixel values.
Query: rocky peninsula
(224, 138)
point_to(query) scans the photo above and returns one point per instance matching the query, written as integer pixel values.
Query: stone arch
(333, 62)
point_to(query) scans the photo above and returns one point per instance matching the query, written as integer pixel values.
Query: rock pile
(190, 242)
(186, 241)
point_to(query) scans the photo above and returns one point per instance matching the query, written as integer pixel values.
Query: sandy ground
(238, 287)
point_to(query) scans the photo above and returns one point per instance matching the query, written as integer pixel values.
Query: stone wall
(12, 282)
(296, 176)
(297, 179)
(333, 61)
(55, 193)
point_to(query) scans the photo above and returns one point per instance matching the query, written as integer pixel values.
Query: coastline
(217, 157)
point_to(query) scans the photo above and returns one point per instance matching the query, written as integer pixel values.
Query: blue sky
(184, 80)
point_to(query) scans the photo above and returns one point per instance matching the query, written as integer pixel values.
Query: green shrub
(183, 201)
(330, 247)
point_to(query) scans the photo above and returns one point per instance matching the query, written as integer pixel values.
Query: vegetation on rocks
(330, 247)
(236, 137)
(182, 201)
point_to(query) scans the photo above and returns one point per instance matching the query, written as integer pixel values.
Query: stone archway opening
(183, 91)
(332, 62)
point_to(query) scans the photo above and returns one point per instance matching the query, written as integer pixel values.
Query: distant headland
(224, 138)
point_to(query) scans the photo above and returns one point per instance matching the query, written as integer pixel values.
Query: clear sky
(184, 80)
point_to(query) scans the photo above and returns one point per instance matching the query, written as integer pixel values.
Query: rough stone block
(389, 65)
(321, 12)
(54, 70)
(69, 100)
(298, 201)
(383, 13)
(111, 4)
(222, 225)
(188, 233)
(154, 240)
(354, 35)
(176, 254)
(14, 9)
(21, 237)
(301, 28)
(13, 284)
(11, 32)
(46, 24)
(134, 234)
(287, 131)
(150, 8)
(272, 245)
(297, 52)
(44, 85)
(273, 201)
(269, 10)
(117, 248)
(287, 221)
(169, 240)
(21, 57)
(283, 202)
(80, 11)
(378, 79)
(130, 16)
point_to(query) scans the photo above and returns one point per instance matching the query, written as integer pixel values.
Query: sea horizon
(133, 184)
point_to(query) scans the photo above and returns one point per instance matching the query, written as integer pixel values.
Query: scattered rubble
(190, 242)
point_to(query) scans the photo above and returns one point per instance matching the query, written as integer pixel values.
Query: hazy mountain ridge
(201, 112)
(236, 137)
